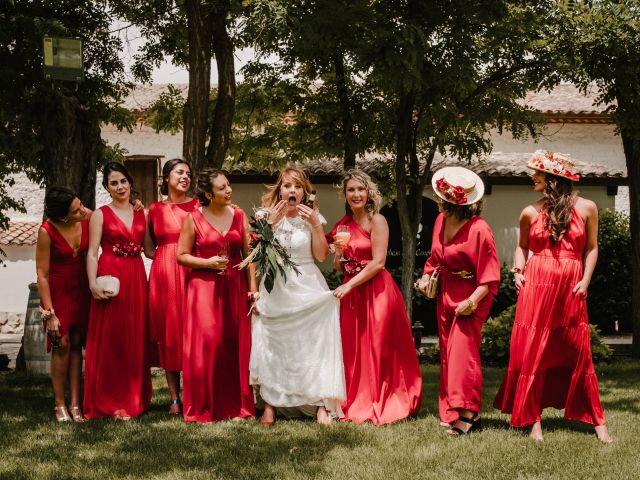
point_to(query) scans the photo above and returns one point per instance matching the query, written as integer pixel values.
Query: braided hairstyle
(559, 200)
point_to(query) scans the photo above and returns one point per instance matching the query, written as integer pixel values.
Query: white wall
(590, 143)
(144, 141)
(17, 272)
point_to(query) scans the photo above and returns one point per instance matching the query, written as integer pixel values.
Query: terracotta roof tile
(20, 233)
(563, 99)
(497, 164)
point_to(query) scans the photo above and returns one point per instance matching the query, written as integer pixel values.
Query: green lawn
(155, 446)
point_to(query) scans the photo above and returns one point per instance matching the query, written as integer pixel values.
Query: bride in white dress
(296, 349)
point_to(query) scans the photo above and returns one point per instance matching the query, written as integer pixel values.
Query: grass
(33, 446)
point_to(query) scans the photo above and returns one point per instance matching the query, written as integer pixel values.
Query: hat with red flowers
(457, 185)
(554, 164)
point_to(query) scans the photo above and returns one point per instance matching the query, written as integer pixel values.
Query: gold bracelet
(472, 304)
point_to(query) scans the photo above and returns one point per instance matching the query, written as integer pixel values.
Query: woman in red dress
(167, 279)
(64, 293)
(464, 250)
(550, 362)
(381, 367)
(117, 374)
(217, 327)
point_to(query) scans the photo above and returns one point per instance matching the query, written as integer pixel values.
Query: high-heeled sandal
(269, 423)
(177, 402)
(475, 422)
(76, 414)
(61, 413)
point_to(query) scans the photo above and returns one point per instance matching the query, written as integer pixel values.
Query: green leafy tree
(436, 78)
(51, 129)
(192, 32)
(600, 45)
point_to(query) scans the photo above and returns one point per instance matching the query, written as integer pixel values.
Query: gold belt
(462, 273)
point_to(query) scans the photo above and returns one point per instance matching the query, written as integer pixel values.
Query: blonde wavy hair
(272, 195)
(374, 198)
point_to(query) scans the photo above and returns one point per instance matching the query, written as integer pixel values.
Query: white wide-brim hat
(457, 185)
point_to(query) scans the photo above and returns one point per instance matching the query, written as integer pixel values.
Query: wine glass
(223, 253)
(342, 237)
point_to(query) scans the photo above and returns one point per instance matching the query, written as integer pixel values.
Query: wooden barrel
(37, 359)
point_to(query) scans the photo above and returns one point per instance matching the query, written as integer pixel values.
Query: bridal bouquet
(267, 252)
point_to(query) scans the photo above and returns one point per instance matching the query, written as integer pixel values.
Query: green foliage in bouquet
(270, 257)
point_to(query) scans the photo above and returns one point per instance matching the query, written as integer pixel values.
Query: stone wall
(11, 322)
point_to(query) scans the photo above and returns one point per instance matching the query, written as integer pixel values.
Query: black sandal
(475, 422)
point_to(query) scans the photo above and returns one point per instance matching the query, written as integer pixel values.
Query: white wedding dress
(296, 349)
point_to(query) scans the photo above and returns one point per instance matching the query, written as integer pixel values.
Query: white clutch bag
(110, 285)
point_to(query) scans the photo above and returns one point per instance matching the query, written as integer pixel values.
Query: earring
(64, 220)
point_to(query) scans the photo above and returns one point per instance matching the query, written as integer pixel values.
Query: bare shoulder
(43, 235)
(379, 221)
(531, 211)
(586, 206)
(96, 217)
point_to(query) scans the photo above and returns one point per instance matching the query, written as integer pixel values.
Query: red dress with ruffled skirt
(217, 330)
(472, 250)
(68, 283)
(550, 361)
(117, 374)
(382, 374)
(168, 282)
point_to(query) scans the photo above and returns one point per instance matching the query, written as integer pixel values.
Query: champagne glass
(223, 253)
(342, 237)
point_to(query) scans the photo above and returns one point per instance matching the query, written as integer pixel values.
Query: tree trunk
(71, 141)
(632, 157)
(196, 108)
(405, 204)
(225, 100)
(348, 134)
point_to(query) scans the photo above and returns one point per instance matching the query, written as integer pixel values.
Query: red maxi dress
(383, 379)
(217, 330)
(68, 283)
(117, 374)
(472, 250)
(167, 282)
(550, 361)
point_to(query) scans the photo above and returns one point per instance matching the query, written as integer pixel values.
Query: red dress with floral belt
(167, 282)
(465, 262)
(381, 367)
(68, 284)
(117, 374)
(217, 330)
(550, 361)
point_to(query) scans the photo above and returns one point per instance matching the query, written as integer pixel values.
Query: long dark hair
(166, 171)
(204, 184)
(559, 200)
(57, 202)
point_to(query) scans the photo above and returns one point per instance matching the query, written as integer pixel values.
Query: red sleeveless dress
(167, 282)
(117, 374)
(68, 283)
(550, 361)
(217, 330)
(382, 374)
